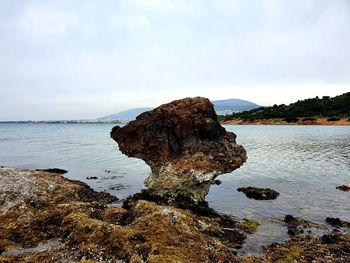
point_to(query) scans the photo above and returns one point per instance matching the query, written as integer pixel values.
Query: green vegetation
(325, 107)
(249, 225)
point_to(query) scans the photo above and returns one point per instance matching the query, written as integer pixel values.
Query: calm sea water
(303, 163)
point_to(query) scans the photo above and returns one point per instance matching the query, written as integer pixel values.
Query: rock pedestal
(185, 146)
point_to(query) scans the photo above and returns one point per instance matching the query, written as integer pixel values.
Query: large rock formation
(185, 146)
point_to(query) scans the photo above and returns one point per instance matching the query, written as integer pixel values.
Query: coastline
(280, 121)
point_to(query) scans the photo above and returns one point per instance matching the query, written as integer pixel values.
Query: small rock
(259, 193)
(331, 238)
(343, 187)
(53, 170)
(92, 178)
(296, 225)
(289, 218)
(118, 187)
(217, 182)
(51, 188)
(336, 222)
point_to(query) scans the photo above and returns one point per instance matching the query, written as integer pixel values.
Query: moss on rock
(249, 225)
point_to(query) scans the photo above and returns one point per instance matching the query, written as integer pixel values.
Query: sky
(84, 59)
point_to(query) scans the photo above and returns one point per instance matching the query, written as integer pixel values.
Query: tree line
(332, 108)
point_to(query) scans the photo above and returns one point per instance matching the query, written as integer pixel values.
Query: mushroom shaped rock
(185, 146)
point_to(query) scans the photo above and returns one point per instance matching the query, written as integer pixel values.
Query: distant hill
(336, 107)
(222, 107)
(127, 114)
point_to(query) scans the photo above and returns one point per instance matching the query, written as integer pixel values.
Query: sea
(303, 163)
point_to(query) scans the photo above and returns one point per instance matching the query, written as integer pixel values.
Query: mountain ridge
(222, 107)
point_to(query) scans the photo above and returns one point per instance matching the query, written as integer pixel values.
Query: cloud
(44, 22)
(112, 55)
(159, 5)
(131, 23)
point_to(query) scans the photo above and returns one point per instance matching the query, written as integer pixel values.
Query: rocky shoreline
(48, 218)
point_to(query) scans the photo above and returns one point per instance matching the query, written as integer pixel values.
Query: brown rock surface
(185, 146)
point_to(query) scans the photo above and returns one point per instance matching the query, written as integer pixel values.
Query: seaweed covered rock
(296, 226)
(330, 248)
(48, 218)
(150, 233)
(33, 205)
(337, 222)
(259, 193)
(185, 146)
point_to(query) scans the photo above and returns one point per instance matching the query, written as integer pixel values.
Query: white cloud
(130, 23)
(136, 22)
(47, 23)
(159, 5)
(89, 29)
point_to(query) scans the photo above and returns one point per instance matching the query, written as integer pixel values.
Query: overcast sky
(85, 59)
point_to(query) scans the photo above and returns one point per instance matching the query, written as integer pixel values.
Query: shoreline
(280, 121)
